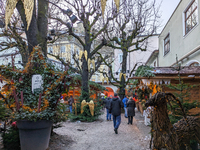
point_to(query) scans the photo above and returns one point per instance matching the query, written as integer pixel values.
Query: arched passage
(109, 92)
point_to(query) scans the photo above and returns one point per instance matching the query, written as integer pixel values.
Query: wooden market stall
(168, 75)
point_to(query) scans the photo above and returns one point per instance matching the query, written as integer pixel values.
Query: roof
(186, 70)
(152, 56)
(170, 72)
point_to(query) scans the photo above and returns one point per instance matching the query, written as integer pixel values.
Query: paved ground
(99, 135)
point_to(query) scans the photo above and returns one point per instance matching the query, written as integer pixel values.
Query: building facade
(179, 39)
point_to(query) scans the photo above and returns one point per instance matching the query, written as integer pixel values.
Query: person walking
(70, 102)
(131, 110)
(107, 104)
(125, 100)
(115, 108)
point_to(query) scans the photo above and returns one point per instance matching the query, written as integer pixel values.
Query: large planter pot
(34, 135)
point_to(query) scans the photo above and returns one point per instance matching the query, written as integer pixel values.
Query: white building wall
(180, 43)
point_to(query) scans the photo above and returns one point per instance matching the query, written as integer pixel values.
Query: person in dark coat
(131, 110)
(70, 102)
(115, 109)
(107, 104)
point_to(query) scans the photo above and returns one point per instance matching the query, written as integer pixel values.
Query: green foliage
(11, 139)
(144, 71)
(86, 115)
(52, 87)
(183, 94)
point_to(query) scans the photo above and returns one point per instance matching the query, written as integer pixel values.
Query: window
(62, 49)
(166, 44)
(191, 16)
(50, 50)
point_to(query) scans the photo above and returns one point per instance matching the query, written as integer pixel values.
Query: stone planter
(34, 135)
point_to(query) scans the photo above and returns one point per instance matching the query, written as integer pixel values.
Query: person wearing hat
(61, 99)
(70, 102)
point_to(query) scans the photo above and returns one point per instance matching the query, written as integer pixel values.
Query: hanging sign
(36, 83)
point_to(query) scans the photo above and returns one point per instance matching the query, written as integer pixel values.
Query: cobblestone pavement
(99, 135)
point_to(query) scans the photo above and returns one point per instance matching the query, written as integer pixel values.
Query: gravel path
(99, 135)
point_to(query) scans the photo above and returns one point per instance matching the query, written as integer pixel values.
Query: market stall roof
(187, 72)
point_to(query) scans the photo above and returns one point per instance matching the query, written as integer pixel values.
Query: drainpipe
(188, 54)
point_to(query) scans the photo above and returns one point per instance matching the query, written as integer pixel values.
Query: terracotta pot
(34, 135)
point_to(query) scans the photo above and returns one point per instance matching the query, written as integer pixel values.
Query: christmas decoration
(103, 6)
(89, 62)
(117, 3)
(83, 103)
(122, 74)
(10, 6)
(85, 54)
(28, 6)
(91, 106)
(93, 63)
(80, 55)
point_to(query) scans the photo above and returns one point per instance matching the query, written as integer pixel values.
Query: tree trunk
(123, 82)
(42, 24)
(85, 86)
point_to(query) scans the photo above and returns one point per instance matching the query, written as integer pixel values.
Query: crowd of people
(114, 105)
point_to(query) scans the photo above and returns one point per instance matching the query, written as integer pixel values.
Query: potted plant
(33, 95)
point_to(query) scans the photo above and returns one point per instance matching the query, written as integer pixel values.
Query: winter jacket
(107, 102)
(125, 101)
(115, 106)
(70, 101)
(131, 108)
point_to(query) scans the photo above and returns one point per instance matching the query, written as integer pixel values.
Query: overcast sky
(166, 9)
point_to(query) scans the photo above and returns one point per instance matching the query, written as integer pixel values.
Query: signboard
(37, 83)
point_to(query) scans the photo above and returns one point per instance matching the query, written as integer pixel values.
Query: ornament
(103, 6)
(28, 6)
(91, 106)
(120, 76)
(117, 3)
(10, 6)
(93, 63)
(89, 64)
(107, 80)
(102, 81)
(83, 103)
(80, 55)
(85, 53)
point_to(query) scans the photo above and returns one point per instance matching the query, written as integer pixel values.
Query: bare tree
(136, 22)
(94, 24)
